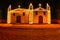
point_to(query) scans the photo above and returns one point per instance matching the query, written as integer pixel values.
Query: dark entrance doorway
(18, 19)
(40, 20)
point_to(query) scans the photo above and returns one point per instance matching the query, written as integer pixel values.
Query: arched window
(13, 14)
(23, 13)
(44, 12)
(36, 13)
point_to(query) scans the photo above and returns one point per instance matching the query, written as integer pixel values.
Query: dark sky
(55, 5)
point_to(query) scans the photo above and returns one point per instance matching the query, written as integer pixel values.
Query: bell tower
(8, 14)
(48, 14)
(30, 13)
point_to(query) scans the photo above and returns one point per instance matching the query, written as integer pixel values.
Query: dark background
(54, 4)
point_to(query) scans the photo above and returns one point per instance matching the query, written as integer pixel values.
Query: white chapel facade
(29, 16)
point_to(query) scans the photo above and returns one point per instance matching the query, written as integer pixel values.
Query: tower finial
(19, 6)
(48, 7)
(9, 8)
(30, 6)
(39, 5)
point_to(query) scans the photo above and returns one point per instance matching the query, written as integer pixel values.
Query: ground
(11, 33)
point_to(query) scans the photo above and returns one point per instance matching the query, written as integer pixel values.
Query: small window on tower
(36, 13)
(44, 13)
(13, 14)
(31, 7)
(23, 13)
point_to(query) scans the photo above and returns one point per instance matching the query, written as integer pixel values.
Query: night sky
(54, 4)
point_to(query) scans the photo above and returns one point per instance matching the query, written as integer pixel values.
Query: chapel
(29, 16)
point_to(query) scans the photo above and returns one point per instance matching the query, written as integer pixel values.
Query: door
(40, 19)
(18, 19)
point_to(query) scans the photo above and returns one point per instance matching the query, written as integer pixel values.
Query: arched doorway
(18, 19)
(40, 19)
